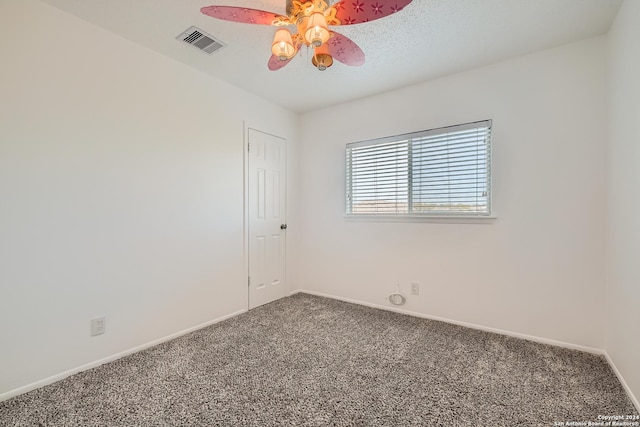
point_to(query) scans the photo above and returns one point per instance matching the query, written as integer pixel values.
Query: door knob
(283, 226)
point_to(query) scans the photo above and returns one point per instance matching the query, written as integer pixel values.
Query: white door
(267, 213)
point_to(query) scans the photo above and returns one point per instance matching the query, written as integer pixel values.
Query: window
(438, 172)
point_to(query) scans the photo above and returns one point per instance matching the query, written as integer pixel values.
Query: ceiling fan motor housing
(297, 9)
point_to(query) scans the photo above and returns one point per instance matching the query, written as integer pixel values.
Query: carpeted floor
(311, 361)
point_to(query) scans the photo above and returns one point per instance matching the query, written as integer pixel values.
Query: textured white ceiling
(428, 39)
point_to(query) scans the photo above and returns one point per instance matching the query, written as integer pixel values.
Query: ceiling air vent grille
(199, 39)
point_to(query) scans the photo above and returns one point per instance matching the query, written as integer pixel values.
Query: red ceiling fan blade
(345, 50)
(351, 12)
(275, 63)
(242, 14)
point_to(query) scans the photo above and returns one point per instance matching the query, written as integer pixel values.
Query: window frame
(411, 216)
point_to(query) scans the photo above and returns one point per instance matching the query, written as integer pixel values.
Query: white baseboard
(632, 397)
(62, 375)
(90, 365)
(465, 324)
(571, 346)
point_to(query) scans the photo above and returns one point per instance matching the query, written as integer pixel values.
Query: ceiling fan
(312, 18)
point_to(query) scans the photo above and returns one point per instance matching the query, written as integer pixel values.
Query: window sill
(441, 219)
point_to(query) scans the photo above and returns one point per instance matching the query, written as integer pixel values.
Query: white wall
(623, 185)
(537, 269)
(121, 193)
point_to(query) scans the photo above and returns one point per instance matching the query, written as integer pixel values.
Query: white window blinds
(445, 171)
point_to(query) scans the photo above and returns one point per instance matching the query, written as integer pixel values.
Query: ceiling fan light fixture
(322, 59)
(317, 32)
(311, 19)
(282, 46)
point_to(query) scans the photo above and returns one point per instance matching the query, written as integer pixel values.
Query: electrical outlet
(98, 326)
(415, 288)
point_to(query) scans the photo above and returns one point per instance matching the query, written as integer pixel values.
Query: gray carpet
(311, 361)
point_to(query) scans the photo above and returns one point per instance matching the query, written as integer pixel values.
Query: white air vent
(199, 39)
